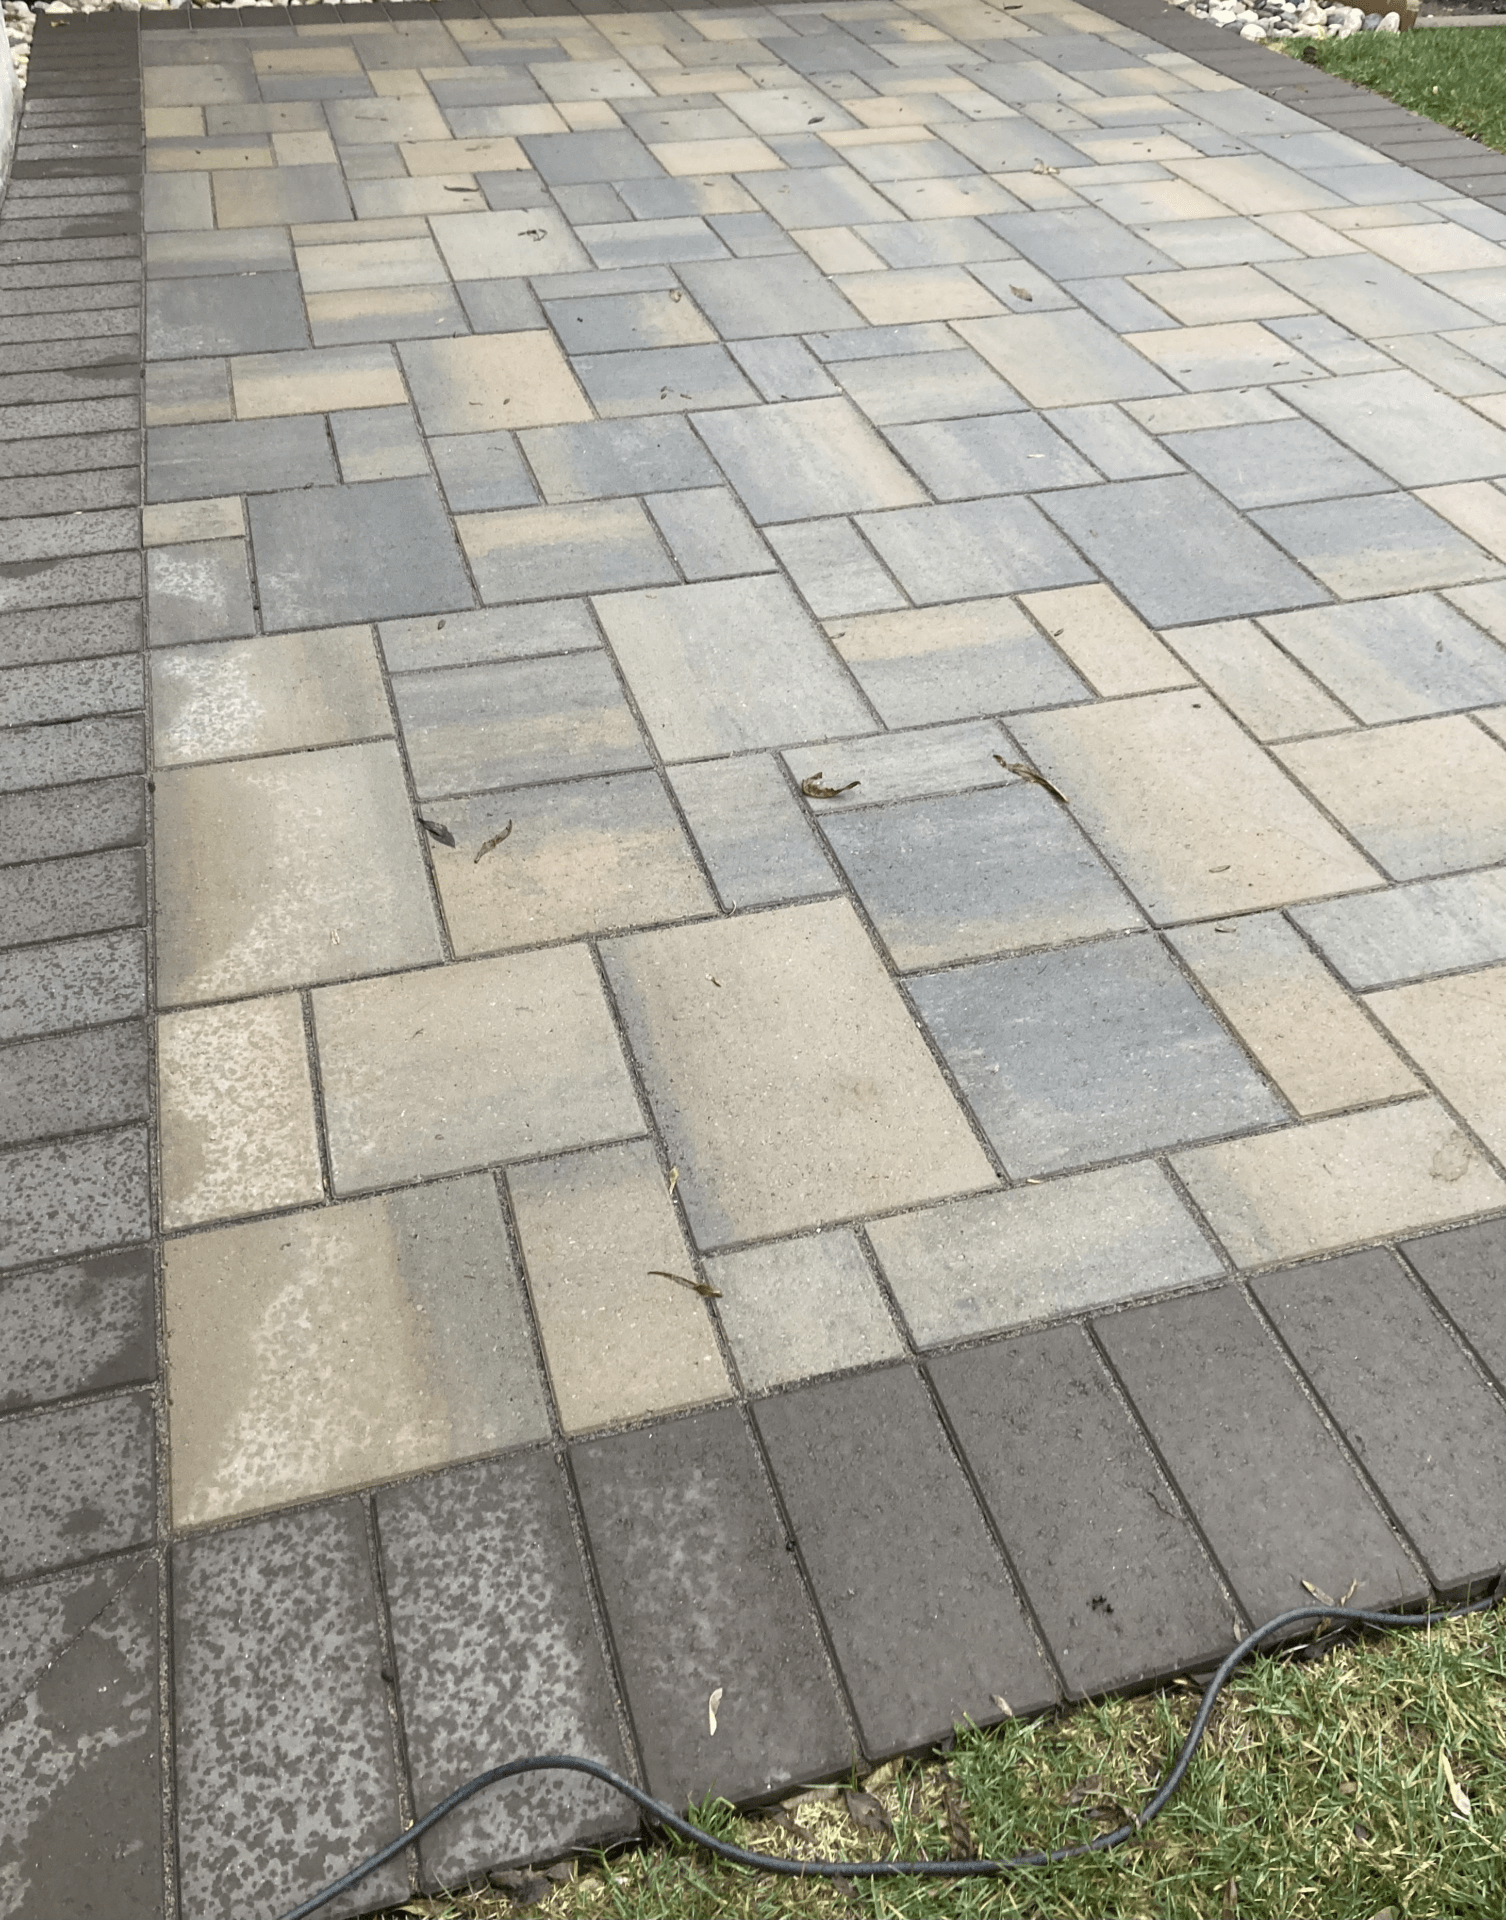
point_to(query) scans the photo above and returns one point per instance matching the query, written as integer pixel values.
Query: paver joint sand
(827, 932)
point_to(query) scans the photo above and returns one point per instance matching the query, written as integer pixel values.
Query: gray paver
(242, 456)
(199, 591)
(1278, 1502)
(85, 893)
(797, 1308)
(73, 1196)
(991, 454)
(490, 633)
(1377, 657)
(744, 299)
(78, 1328)
(278, 1653)
(1271, 464)
(480, 470)
(834, 567)
(1462, 1267)
(708, 533)
(1113, 1570)
(1392, 1377)
(603, 457)
(701, 1596)
(1388, 542)
(515, 1660)
(806, 457)
(81, 1480)
(752, 832)
(979, 547)
(69, 1082)
(1100, 1050)
(976, 874)
(928, 1632)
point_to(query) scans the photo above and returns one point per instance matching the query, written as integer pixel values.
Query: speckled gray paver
(691, 1209)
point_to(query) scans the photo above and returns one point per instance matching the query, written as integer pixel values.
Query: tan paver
(236, 1107)
(1455, 1029)
(1275, 699)
(1308, 1034)
(319, 381)
(1110, 646)
(1421, 798)
(494, 380)
(796, 1308)
(619, 1338)
(262, 696)
(1336, 1183)
(1195, 817)
(469, 1065)
(327, 1349)
(278, 872)
(786, 1073)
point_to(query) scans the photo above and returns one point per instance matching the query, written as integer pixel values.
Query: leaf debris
(711, 1706)
(495, 841)
(703, 1287)
(437, 832)
(812, 788)
(1022, 772)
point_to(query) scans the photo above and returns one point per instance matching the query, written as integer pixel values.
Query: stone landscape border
(1345, 1374)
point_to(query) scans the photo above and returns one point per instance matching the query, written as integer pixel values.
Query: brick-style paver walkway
(825, 695)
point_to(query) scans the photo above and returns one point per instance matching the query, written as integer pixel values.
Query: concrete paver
(628, 506)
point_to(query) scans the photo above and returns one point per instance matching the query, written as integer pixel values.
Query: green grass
(1320, 1793)
(1454, 75)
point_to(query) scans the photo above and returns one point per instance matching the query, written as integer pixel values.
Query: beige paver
(236, 1107)
(796, 1308)
(900, 298)
(695, 157)
(349, 1344)
(1275, 699)
(1476, 508)
(1195, 817)
(489, 381)
(181, 520)
(1308, 1034)
(591, 857)
(787, 1074)
(320, 380)
(978, 1265)
(495, 155)
(1455, 1029)
(347, 266)
(599, 1234)
(469, 1065)
(1424, 797)
(261, 696)
(278, 872)
(482, 246)
(1111, 647)
(1337, 1183)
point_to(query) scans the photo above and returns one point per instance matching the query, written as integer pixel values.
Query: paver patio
(755, 940)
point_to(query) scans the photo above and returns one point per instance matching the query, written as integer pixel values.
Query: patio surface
(805, 1003)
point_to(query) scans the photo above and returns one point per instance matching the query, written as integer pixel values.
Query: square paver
(618, 322)
(1291, 1013)
(1276, 462)
(720, 666)
(1396, 659)
(819, 197)
(1462, 1268)
(1089, 1053)
(746, 1027)
(924, 1622)
(378, 443)
(491, 381)
(539, 553)
(81, 1482)
(603, 457)
(1259, 684)
(994, 453)
(198, 591)
(708, 533)
(592, 856)
(527, 240)
(515, 722)
(279, 1332)
(1206, 563)
(1388, 543)
(797, 1308)
(600, 1235)
(806, 457)
(330, 555)
(1390, 1375)
(236, 1110)
(1115, 1573)
(1195, 818)
(833, 566)
(951, 384)
(974, 549)
(975, 874)
(662, 380)
(1404, 426)
(744, 299)
(495, 1641)
(224, 313)
(1428, 927)
(481, 470)
(1075, 242)
(490, 1060)
(950, 662)
(752, 832)
(1452, 1030)
(1275, 1497)
(78, 1328)
(266, 695)
(1338, 1183)
(702, 1599)
(1421, 799)
(1001, 1260)
(273, 873)
(1063, 359)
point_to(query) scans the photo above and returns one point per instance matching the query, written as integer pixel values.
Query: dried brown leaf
(711, 1706)
(703, 1287)
(437, 832)
(495, 841)
(1023, 293)
(812, 788)
(1022, 772)
(866, 1812)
